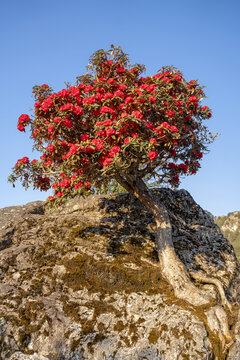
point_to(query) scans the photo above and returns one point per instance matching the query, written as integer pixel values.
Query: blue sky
(51, 41)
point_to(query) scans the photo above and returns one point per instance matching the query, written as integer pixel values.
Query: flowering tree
(117, 126)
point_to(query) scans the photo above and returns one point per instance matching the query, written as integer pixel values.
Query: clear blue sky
(51, 41)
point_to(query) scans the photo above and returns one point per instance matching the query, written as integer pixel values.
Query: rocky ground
(83, 282)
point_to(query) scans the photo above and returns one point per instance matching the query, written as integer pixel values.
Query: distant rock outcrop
(230, 227)
(83, 282)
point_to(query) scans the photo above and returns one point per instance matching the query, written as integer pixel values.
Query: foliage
(112, 122)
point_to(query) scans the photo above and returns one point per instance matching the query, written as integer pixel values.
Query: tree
(118, 128)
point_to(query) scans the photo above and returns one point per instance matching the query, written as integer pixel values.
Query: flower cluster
(115, 119)
(23, 120)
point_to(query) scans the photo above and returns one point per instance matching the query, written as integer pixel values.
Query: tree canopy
(112, 122)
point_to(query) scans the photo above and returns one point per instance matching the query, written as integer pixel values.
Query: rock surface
(83, 282)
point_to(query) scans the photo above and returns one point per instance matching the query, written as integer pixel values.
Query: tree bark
(172, 269)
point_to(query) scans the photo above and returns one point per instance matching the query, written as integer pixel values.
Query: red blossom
(50, 129)
(178, 103)
(152, 99)
(91, 123)
(152, 155)
(166, 79)
(137, 114)
(172, 165)
(68, 106)
(74, 91)
(108, 95)
(88, 88)
(84, 137)
(110, 131)
(106, 109)
(170, 113)
(59, 194)
(193, 99)
(89, 100)
(20, 127)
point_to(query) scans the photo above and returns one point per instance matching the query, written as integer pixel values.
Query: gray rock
(83, 282)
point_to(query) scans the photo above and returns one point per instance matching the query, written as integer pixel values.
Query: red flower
(67, 106)
(165, 124)
(98, 143)
(134, 135)
(89, 100)
(57, 119)
(170, 113)
(88, 88)
(178, 77)
(50, 129)
(99, 96)
(78, 185)
(75, 91)
(152, 99)
(51, 148)
(106, 109)
(51, 198)
(68, 123)
(65, 183)
(128, 100)
(78, 110)
(121, 70)
(111, 81)
(173, 129)
(193, 99)
(24, 160)
(119, 93)
(20, 127)
(64, 93)
(84, 137)
(114, 150)
(107, 122)
(137, 114)
(110, 131)
(152, 155)
(23, 118)
(183, 167)
(127, 140)
(178, 103)
(37, 105)
(107, 161)
(166, 79)
(122, 86)
(108, 95)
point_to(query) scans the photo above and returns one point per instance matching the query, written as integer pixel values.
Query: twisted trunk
(173, 270)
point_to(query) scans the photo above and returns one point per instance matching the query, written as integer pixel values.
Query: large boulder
(83, 282)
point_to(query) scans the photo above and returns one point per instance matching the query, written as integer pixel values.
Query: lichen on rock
(83, 282)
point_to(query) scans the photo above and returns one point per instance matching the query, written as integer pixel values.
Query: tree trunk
(171, 267)
(173, 270)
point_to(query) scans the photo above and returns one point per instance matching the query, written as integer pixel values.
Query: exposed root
(217, 321)
(173, 269)
(174, 272)
(200, 276)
